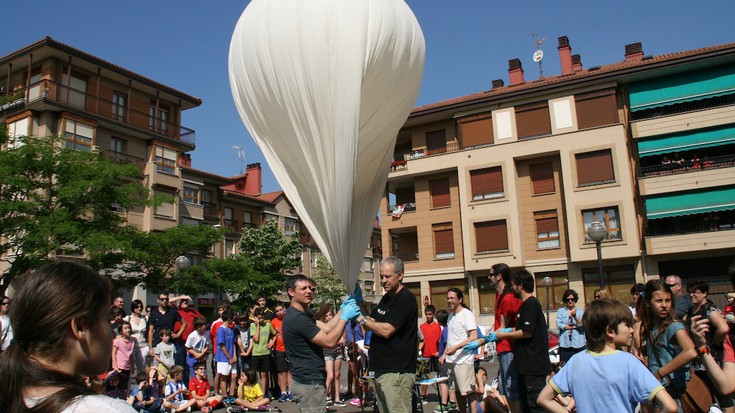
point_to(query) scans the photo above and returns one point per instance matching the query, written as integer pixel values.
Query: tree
(150, 259)
(57, 200)
(330, 288)
(266, 257)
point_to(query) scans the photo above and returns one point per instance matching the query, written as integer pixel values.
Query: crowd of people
(84, 355)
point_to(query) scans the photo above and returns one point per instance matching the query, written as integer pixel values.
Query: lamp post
(597, 232)
(547, 281)
(182, 263)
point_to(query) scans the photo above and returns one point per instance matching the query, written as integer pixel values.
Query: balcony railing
(400, 162)
(46, 89)
(724, 161)
(408, 256)
(123, 158)
(210, 209)
(698, 223)
(232, 224)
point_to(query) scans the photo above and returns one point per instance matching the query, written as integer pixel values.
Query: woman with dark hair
(139, 327)
(662, 339)
(57, 343)
(569, 322)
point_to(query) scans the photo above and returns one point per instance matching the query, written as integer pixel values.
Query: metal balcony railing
(699, 223)
(724, 161)
(123, 158)
(159, 125)
(401, 160)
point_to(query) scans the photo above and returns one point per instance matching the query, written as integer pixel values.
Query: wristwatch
(362, 322)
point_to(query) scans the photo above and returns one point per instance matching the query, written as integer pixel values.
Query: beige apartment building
(517, 173)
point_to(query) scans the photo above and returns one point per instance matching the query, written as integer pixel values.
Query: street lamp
(597, 232)
(547, 281)
(182, 263)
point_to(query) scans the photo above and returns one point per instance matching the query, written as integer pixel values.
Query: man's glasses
(6, 302)
(572, 300)
(671, 285)
(164, 299)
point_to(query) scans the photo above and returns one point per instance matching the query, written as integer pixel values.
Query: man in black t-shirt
(164, 316)
(304, 342)
(531, 342)
(393, 349)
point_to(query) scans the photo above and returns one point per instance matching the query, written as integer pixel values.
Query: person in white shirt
(462, 329)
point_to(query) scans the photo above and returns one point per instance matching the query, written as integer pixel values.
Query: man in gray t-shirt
(682, 303)
(304, 342)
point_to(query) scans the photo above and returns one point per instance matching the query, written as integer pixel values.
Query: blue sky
(184, 44)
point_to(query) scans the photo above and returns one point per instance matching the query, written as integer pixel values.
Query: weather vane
(538, 54)
(241, 155)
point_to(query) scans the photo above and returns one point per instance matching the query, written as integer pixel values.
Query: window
(17, 129)
(191, 195)
(367, 265)
(547, 230)
(542, 178)
(618, 280)
(608, 217)
(229, 247)
(119, 105)
(247, 219)
(594, 168)
(487, 183)
(270, 218)
(438, 292)
(165, 160)
(443, 241)
(476, 130)
(487, 293)
(158, 120)
(491, 236)
(313, 257)
(207, 201)
(436, 142)
(439, 189)
(227, 219)
(190, 222)
(559, 284)
(117, 150)
(597, 108)
(290, 226)
(533, 120)
(78, 135)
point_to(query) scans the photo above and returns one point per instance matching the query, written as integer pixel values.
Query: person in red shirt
(199, 389)
(184, 305)
(431, 331)
(283, 366)
(506, 313)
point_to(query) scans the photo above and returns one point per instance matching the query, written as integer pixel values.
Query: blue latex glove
(471, 346)
(490, 337)
(507, 329)
(350, 311)
(357, 295)
(347, 301)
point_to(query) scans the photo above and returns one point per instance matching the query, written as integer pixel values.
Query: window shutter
(439, 192)
(487, 183)
(533, 120)
(436, 140)
(476, 130)
(491, 236)
(542, 177)
(443, 239)
(597, 108)
(594, 167)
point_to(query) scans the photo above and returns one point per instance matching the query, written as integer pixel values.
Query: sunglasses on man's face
(671, 285)
(162, 299)
(571, 300)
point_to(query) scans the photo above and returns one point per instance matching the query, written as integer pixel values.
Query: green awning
(690, 202)
(703, 138)
(685, 87)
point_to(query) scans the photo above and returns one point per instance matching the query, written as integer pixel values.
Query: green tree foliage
(266, 258)
(58, 200)
(330, 288)
(151, 259)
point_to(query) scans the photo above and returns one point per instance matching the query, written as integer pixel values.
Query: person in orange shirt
(283, 366)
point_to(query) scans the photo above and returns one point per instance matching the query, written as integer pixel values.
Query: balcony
(232, 224)
(401, 159)
(48, 91)
(688, 224)
(682, 166)
(408, 256)
(123, 158)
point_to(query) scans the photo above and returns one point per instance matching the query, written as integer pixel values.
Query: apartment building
(50, 88)
(516, 174)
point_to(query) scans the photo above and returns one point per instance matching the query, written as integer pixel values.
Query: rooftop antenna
(241, 155)
(538, 55)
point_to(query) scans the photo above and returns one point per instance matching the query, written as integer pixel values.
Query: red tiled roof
(601, 71)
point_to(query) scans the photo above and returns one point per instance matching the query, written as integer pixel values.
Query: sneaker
(283, 398)
(452, 406)
(290, 397)
(356, 401)
(339, 403)
(441, 408)
(329, 402)
(423, 400)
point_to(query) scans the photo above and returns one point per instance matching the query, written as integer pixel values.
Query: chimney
(565, 56)
(515, 72)
(633, 51)
(498, 83)
(254, 179)
(576, 63)
(185, 160)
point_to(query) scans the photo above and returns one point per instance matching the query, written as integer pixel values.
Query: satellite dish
(538, 55)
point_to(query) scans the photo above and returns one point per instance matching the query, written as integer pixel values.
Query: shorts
(311, 398)
(507, 376)
(333, 354)
(442, 370)
(225, 368)
(463, 378)
(282, 362)
(162, 372)
(261, 363)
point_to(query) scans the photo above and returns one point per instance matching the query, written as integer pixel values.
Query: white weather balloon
(323, 86)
